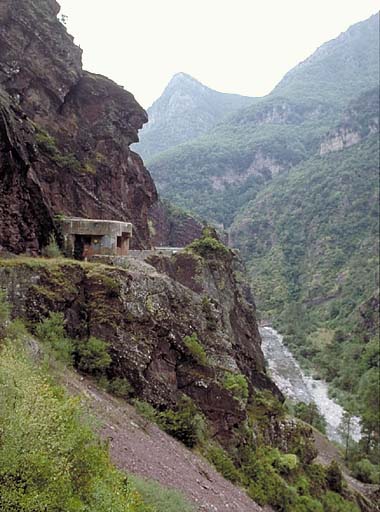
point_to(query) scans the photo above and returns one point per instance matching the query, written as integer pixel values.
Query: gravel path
(140, 447)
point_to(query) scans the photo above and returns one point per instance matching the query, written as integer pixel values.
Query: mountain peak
(186, 109)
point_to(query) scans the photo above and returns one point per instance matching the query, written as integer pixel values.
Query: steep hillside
(340, 69)
(185, 110)
(64, 134)
(179, 339)
(311, 239)
(218, 173)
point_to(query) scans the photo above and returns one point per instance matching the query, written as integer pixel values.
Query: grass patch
(163, 499)
(196, 349)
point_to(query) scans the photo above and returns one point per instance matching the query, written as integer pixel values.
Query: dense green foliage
(314, 266)
(49, 457)
(195, 348)
(50, 460)
(310, 414)
(237, 384)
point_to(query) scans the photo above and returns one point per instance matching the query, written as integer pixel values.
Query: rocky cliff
(65, 134)
(147, 316)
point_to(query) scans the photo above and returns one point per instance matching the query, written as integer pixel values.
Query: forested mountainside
(311, 240)
(216, 174)
(295, 178)
(185, 110)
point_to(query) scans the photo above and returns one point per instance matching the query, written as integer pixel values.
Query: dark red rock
(83, 126)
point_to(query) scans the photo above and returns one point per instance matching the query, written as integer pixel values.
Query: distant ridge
(185, 110)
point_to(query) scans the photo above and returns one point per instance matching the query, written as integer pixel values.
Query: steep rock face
(145, 317)
(25, 220)
(224, 299)
(360, 120)
(170, 226)
(83, 125)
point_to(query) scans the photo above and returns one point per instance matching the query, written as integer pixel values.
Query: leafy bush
(223, 463)
(195, 348)
(237, 384)
(286, 463)
(163, 499)
(49, 458)
(366, 472)
(51, 331)
(310, 414)
(185, 423)
(333, 502)
(92, 356)
(52, 250)
(334, 477)
(146, 410)
(307, 504)
(208, 246)
(120, 387)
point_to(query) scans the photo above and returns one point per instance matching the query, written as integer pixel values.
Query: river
(299, 387)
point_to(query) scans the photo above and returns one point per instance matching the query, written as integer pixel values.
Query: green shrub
(163, 499)
(366, 472)
(310, 414)
(92, 356)
(333, 502)
(334, 477)
(237, 384)
(120, 387)
(195, 348)
(223, 463)
(51, 331)
(316, 474)
(52, 250)
(307, 504)
(46, 142)
(208, 247)
(185, 423)
(146, 410)
(286, 463)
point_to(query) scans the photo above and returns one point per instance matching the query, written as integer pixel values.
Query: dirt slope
(139, 447)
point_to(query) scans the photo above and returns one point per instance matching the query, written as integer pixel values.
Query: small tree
(93, 356)
(345, 429)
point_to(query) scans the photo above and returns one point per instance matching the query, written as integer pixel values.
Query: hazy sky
(240, 46)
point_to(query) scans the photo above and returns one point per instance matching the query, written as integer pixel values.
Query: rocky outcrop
(80, 127)
(343, 138)
(145, 316)
(171, 226)
(360, 120)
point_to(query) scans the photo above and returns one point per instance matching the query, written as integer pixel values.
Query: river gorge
(299, 387)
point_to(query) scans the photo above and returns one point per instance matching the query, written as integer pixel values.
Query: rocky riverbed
(299, 387)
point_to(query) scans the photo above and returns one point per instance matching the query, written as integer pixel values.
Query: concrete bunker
(83, 238)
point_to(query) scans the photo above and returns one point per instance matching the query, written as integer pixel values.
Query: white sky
(239, 46)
